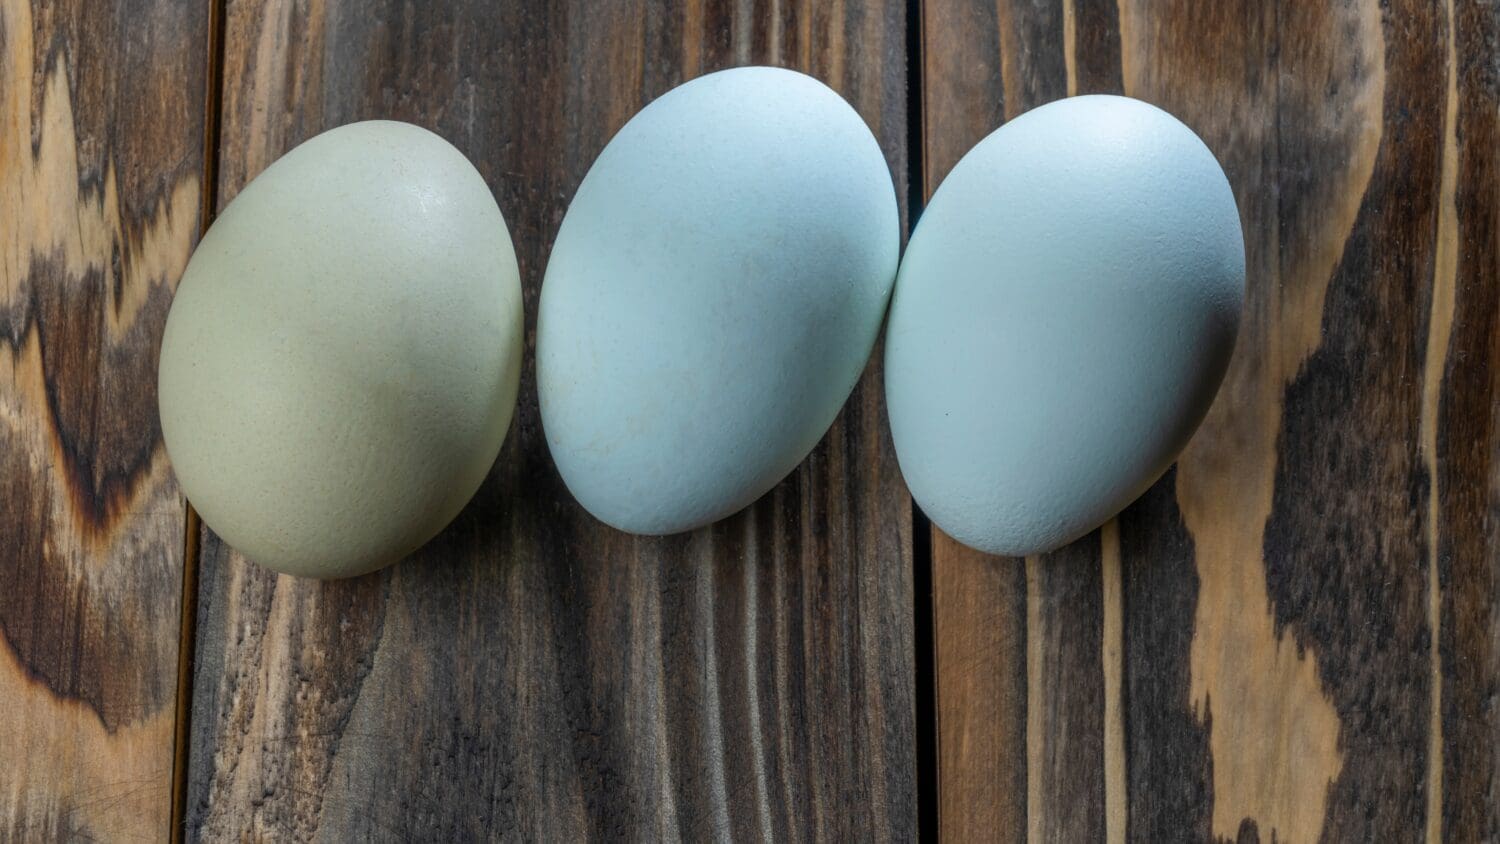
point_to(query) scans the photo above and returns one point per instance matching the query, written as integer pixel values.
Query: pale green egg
(341, 360)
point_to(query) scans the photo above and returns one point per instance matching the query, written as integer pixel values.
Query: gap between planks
(924, 629)
(191, 540)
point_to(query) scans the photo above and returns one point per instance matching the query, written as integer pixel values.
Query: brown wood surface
(531, 671)
(1294, 635)
(101, 166)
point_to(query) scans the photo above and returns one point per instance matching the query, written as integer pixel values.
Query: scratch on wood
(1036, 721)
(1439, 330)
(1116, 796)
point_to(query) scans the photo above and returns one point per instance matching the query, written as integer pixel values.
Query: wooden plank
(1306, 607)
(1021, 732)
(980, 617)
(101, 160)
(1212, 685)
(1065, 695)
(1464, 349)
(531, 672)
(979, 604)
(1303, 498)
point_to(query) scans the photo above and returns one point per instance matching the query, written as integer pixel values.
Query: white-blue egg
(1063, 317)
(712, 297)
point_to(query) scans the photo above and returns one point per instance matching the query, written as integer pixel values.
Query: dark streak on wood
(1345, 551)
(1096, 46)
(67, 634)
(99, 386)
(752, 679)
(1169, 766)
(1070, 588)
(105, 454)
(100, 154)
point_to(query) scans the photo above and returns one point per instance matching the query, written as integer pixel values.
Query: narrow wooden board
(532, 672)
(1021, 679)
(1465, 433)
(1294, 634)
(101, 137)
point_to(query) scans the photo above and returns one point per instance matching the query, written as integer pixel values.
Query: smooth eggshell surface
(341, 359)
(713, 295)
(1064, 314)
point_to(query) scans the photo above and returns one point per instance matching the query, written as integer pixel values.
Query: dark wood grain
(1065, 694)
(1169, 793)
(1213, 690)
(101, 140)
(532, 674)
(1294, 635)
(1465, 435)
(1306, 608)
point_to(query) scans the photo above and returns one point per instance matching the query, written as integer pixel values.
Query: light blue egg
(713, 295)
(1063, 316)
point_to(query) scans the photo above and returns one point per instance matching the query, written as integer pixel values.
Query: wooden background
(1295, 635)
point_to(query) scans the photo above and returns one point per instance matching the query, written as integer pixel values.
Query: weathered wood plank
(101, 136)
(1021, 731)
(1464, 437)
(980, 616)
(532, 672)
(1065, 694)
(1302, 498)
(1211, 690)
(979, 608)
(1308, 604)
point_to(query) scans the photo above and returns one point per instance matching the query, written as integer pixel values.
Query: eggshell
(341, 359)
(713, 295)
(1064, 314)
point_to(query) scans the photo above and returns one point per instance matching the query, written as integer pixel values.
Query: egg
(341, 358)
(1063, 316)
(714, 292)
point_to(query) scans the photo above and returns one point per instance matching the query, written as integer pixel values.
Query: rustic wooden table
(1294, 635)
